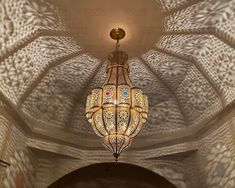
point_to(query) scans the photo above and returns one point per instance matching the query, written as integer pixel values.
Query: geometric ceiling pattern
(189, 75)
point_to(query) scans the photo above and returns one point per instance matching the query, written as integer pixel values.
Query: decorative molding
(155, 141)
(30, 38)
(230, 41)
(191, 133)
(94, 154)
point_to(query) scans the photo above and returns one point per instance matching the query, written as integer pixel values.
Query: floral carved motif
(40, 13)
(198, 46)
(226, 69)
(215, 12)
(6, 26)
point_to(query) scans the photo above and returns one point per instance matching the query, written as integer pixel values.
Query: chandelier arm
(128, 81)
(119, 149)
(137, 124)
(111, 71)
(116, 95)
(111, 145)
(123, 141)
(129, 120)
(123, 73)
(105, 127)
(104, 142)
(116, 121)
(127, 145)
(96, 111)
(109, 76)
(97, 128)
(116, 151)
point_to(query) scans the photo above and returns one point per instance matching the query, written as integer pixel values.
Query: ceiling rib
(202, 72)
(10, 109)
(181, 7)
(30, 38)
(199, 31)
(230, 41)
(166, 85)
(54, 63)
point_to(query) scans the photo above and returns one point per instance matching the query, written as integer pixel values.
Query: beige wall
(13, 150)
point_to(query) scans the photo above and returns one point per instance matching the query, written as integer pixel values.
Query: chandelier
(117, 110)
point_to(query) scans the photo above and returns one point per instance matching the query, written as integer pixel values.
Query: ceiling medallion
(117, 110)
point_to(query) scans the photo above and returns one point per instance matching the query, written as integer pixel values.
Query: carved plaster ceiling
(53, 53)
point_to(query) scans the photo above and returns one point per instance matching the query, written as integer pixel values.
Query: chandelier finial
(116, 155)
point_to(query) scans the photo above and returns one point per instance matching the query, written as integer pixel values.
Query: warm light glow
(118, 110)
(121, 25)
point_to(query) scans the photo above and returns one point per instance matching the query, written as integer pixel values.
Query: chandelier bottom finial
(116, 155)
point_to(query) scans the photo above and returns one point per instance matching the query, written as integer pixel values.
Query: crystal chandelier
(117, 110)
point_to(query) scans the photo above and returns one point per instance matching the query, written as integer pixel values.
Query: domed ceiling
(54, 52)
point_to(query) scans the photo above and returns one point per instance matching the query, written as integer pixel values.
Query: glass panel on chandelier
(98, 124)
(109, 95)
(137, 99)
(124, 96)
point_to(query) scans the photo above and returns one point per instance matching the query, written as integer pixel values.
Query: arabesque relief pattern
(188, 72)
(22, 171)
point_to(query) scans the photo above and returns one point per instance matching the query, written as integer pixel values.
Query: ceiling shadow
(111, 175)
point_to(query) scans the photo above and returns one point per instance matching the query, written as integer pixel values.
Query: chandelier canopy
(117, 110)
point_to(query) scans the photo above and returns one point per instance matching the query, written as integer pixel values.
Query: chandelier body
(117, 110)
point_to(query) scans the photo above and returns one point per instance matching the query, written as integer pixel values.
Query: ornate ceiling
(188, 73)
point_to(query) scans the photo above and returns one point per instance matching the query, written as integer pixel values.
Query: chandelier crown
(118, 110)
(118, 57)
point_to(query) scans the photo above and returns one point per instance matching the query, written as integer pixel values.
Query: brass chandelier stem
(117, 45)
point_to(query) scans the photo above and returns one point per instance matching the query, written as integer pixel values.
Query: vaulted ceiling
(182, 56)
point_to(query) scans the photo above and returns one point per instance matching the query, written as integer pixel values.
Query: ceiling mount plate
(117, 33)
